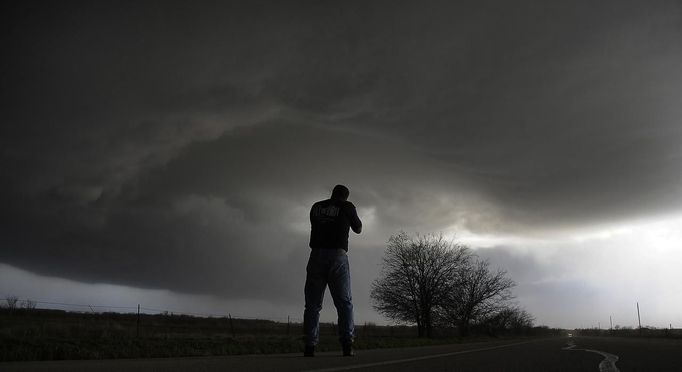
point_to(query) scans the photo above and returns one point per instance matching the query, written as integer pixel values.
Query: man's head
(340, 192)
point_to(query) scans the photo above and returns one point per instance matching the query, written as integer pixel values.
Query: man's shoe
(348, 350)
(309, 351)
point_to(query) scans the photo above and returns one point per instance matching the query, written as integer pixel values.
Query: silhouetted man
(330, 221)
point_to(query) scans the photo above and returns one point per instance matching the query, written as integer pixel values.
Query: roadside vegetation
(43, 334)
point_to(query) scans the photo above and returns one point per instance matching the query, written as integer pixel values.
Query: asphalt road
(556, 354)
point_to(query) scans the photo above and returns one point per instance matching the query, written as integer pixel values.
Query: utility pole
(639, 320)
(611, 321)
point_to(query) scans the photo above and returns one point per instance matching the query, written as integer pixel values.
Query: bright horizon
(616, 297)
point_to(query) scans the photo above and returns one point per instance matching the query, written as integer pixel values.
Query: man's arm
(353, 219)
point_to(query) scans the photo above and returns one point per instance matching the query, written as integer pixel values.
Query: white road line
(606, 365)
(406, 360)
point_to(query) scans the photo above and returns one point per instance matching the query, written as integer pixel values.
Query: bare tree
(28, 304)
(417, 275)
(11, 302)
(508, 319)
(480, 293)
(520, 319)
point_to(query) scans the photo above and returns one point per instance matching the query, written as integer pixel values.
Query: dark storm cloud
(228, 216)
(170, 145)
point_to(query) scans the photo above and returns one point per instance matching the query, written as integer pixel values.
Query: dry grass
(38, 334)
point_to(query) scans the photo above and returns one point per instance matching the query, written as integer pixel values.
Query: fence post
(138, 321)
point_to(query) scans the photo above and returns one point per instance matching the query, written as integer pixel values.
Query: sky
(167, 153)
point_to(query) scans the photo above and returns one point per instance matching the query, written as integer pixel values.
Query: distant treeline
(631, 332)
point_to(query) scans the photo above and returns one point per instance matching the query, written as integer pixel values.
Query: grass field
(40, 334)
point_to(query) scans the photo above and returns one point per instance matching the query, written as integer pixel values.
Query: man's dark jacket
(330, 221)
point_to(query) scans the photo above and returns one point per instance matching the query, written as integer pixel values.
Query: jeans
(328, 267)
